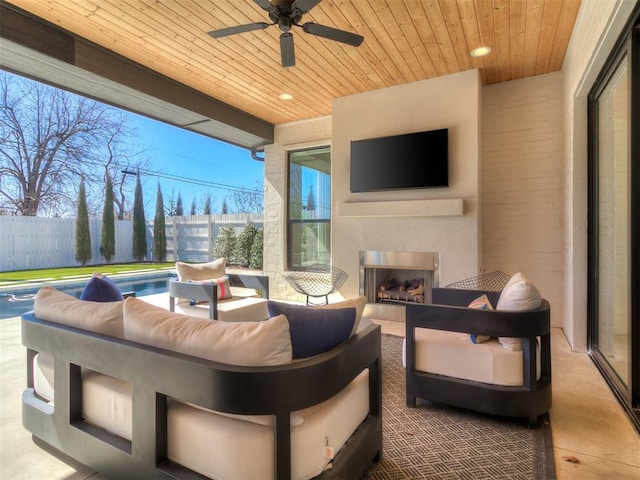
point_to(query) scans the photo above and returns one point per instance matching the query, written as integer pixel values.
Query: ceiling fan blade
(286, 50)
(264, 4)
(333, 34)
(223, 32)
(304, 6)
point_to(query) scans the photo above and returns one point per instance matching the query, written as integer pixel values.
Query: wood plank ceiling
(405, 41)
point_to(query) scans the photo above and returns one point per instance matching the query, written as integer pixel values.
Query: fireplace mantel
(403, 208)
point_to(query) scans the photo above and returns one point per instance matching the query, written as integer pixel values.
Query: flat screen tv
(413, 160)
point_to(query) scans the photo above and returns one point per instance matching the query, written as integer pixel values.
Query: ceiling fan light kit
(287, 14)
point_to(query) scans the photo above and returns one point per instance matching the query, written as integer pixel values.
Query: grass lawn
(70, 272)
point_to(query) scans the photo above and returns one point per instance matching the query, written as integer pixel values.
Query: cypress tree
(83, 236)
(179, 208)
(108, 233)
(159, 230)
(139, 228)
(193, 207)
(207, 205)
(225, 208)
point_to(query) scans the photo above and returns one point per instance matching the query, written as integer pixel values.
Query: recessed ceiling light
(480, 51)
(285, 96)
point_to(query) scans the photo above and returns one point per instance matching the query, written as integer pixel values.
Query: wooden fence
(29, 243)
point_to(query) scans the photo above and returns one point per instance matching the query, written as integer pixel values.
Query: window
(309, 208)
(614, 222)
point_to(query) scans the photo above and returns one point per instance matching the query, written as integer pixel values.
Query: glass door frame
(627, 46)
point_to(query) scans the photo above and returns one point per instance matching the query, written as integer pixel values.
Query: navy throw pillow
(313, 330)
(101, 289)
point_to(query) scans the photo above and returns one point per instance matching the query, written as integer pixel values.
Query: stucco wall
(451, 102)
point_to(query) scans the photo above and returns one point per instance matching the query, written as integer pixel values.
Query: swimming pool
(16, 301)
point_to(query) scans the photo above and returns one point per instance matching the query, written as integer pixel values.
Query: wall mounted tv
(413, 160)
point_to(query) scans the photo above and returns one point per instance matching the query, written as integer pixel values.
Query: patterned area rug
(441, 442)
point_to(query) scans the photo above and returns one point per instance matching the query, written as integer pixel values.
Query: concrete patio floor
(587, 423)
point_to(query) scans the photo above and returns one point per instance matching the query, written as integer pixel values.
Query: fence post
(210, 235)
(175, 238)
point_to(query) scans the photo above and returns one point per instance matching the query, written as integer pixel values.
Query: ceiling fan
(287, 14)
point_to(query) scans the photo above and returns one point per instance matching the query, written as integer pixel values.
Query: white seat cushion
(106, 401)
(219, 446)
(43, 380)
(453, 355)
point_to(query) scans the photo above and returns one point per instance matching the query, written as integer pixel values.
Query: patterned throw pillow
(480, 303)
(224, 287)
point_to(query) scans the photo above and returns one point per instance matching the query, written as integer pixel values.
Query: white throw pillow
(235, 343)
(100, 317)
(201, 271)
(519, 294)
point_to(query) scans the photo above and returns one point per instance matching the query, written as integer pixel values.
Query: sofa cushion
(518, 294)
(100, 317)
(480, 303)
(101, 289)
(218, 446)
(358, 303)
(237, 343)
(314, 331)
(201, 271)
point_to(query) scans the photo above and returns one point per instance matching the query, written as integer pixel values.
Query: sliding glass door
(614, 210)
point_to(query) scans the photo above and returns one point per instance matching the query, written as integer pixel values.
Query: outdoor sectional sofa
(145, 408)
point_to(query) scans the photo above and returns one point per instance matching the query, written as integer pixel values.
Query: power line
(202, 183)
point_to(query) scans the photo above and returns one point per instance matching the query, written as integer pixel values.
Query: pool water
(14, 303)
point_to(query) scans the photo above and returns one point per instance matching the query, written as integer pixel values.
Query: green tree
(256, 260)
(108, 232)
(207, 204)
(179, 208)
(83, 236)
(139, 228)
(159, 230)
(244, 242)
(225, 244)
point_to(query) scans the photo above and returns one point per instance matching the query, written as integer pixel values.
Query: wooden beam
(26, 30)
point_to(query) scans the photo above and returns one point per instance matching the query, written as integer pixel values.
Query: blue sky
(206, 165)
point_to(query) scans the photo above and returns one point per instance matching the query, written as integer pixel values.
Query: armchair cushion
(201, 271)
(519, 294)
(236, 343)
(314, 331)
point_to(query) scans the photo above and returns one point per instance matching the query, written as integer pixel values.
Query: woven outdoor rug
(441, 442)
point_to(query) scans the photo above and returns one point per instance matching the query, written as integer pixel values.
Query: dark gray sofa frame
(209, 292)
(449, 313)
(156, 374)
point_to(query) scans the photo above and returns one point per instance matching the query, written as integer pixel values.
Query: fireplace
(391, 279)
